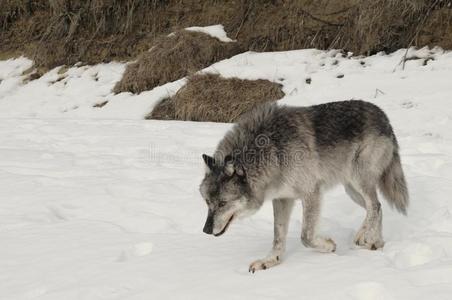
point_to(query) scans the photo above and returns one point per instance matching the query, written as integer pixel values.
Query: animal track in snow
(410, 254)
(142, 249)
(409, 104)
(137, 250)
(369, 291)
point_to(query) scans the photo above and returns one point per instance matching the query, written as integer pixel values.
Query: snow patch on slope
(308, 77)
(216, 31)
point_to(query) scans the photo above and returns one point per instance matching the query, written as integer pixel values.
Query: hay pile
(209, 97)
(173, 57)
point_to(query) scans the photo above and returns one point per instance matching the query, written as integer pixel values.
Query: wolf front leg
(281, 213)
(311, 215)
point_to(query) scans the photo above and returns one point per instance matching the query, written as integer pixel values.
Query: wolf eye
(221, 203)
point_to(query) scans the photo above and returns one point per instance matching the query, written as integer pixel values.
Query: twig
(378, 91)
(245, 17)
(319, 20)
(339, 11)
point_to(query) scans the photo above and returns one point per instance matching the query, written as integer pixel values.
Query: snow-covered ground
(96, 203)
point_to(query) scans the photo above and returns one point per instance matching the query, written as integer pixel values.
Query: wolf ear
(229, 168)
(209, 161)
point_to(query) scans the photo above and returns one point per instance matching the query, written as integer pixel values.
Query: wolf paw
(325, 244)
(321, 244)
(263, 264)
(369, 239)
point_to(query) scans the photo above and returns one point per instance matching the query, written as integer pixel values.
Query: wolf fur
(287, 153)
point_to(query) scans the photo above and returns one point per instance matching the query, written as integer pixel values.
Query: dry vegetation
(209, 97)
(387, 25)
(173, 57)
(59, 32)
(164, 110)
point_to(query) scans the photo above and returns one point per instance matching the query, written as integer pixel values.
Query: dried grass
(11, 10)
(209, 97)
(286, 25)
(56, 32)
(383, 25)
(437, 29)
(164, 110)
(173, 57)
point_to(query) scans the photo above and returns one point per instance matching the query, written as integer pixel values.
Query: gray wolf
(286, 153)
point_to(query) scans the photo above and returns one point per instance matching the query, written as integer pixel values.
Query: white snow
(96, 203)
(216, 31)
(74, 93)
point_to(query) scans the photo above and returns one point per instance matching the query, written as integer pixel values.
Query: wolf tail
(393, 185)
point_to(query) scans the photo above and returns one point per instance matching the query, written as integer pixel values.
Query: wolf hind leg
(370, 234)
(311, 215)
(282, 209)
(354, 195)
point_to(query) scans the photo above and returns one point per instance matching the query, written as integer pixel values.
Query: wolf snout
(208, 227)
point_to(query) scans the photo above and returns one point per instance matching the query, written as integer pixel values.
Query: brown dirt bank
(56, 32)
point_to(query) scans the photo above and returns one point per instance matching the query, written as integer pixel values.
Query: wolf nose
(207, 230)
(208, 227)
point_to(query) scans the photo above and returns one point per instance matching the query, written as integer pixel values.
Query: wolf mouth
(225, 227)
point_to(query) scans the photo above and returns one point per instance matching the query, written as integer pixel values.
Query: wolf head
(226, 192)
